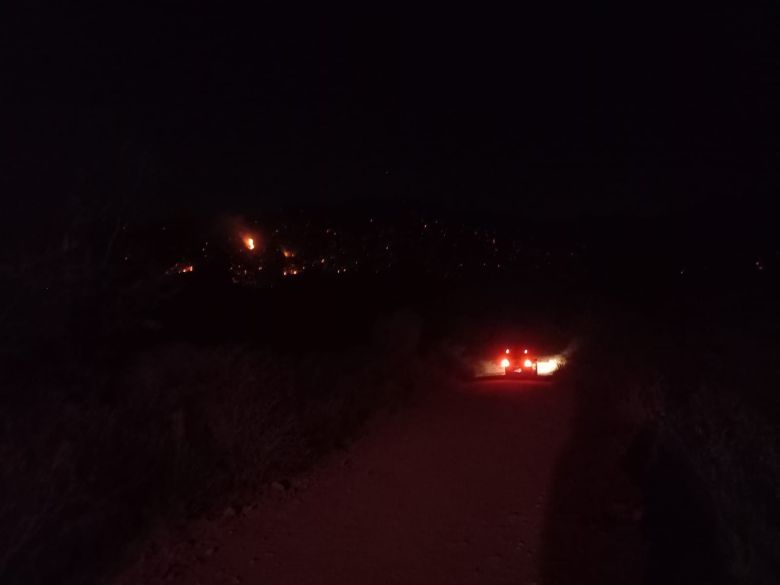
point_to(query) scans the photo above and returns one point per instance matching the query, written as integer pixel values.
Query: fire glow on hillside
(181, 268)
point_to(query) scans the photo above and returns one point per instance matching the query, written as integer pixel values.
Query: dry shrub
(642, 403)
(734, 450)
(98, 455)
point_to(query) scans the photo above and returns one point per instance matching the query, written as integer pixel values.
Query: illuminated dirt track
(457, 488)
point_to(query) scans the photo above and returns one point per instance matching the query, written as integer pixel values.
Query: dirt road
(455, 489)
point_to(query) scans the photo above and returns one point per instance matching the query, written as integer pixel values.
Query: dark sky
(562, 110)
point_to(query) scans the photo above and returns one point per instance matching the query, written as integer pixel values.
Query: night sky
(557, 112)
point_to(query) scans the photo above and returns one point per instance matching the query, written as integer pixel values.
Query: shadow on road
(592, 532)
(624, 508)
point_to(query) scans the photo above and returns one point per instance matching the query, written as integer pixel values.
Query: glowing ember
(180, 268)
(249, 243)
(287, 253)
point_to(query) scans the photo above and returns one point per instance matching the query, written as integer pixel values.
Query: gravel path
(454, 489)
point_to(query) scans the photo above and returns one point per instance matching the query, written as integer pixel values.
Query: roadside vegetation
(95, 455)
(134, 402)
(696, 375)
(99, 449)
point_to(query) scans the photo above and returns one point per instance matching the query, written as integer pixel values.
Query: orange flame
(249, 242)
(180, 268)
